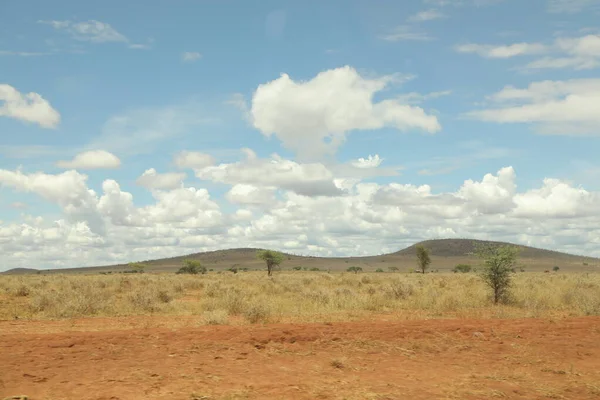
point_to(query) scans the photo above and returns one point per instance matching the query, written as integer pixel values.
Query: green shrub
(356, 270)
(192, 267)
(462, 268)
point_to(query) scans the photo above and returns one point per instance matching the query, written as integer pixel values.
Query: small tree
(192, 267)
(393, 269)
(423, 258)
(378, 270)
(463, 268)
(499, 262)
(356, 270)
(272, 258)
(555, 268)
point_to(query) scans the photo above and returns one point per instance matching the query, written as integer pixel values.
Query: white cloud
(405, 32)
(557, 107)
(190, 56)
(150, 179)
(427, 15)
(370, 162)
(508, 51)
(68, 190)
(312, 118)
(193, 159)
(578, 53)
(89, 31)
(369, 218)
(30, 107)
(312, 179)
(250, 195)
(93, 159)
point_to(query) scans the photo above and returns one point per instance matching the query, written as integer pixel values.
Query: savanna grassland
(298, 296)
(298, 335)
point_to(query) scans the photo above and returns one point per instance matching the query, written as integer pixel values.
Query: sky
(335, 128)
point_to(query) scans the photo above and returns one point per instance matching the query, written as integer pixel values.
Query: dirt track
(433, 359)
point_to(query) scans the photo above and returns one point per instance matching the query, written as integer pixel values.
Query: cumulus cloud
(30, 107)
(94, 159)
(310, 179)
(151, 179)
(370, 218)
(556, 107)
(68, 190)
(250, 195)
(193, 159)
(312, 118)
(370, 162)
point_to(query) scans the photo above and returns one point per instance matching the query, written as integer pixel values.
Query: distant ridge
(448, 253)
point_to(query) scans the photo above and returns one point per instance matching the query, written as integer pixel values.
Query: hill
(446, 253)
(21, 271)
(463, 247)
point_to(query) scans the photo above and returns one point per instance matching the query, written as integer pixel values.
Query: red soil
(429, 359)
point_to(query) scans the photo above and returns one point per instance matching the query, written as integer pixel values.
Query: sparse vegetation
(271, 258)
(290, 296)
(423, 258)
(393, 269)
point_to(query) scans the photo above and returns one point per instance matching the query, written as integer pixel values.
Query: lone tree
(272, 258)
(192, 267)
(423, 258)
(499, 264)
(356, 270)
(555, 268)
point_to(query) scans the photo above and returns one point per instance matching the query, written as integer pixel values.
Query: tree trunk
(269, 269)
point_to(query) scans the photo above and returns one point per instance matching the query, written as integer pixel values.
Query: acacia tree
(356, 270)
(499, 264)
(272, 258)
(423, 258)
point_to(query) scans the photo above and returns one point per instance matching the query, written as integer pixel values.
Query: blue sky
(160, 100)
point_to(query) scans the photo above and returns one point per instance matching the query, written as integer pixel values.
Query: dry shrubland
(251, 297)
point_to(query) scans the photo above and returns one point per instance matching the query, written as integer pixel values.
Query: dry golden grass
(251, 297)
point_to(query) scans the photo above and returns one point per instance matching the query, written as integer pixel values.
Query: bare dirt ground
(120, 359)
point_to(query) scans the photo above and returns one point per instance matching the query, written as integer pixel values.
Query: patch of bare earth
(428, 359)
